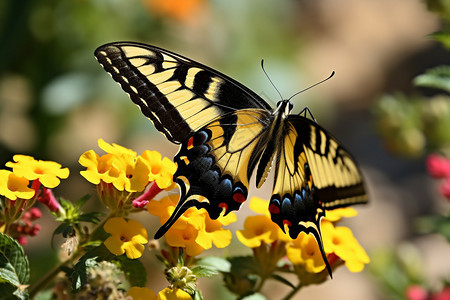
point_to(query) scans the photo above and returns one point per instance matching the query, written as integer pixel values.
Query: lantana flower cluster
(28, 181)
(121, 176)
(194, 231)
(339, 242)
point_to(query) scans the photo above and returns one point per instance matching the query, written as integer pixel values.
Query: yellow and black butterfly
(226, 131)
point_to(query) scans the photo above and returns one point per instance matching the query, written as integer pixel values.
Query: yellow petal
(176, 294)
(114, 245)
(141, 293)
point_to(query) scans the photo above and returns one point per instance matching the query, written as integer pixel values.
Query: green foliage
(242, 277)
(14, 267)
(397, 269)
(217, 263)
(443, 36)
(73, 213)
(134, 270)
(435, 224)
(89, 259)
(437, 78)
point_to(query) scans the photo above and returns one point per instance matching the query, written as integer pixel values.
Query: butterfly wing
(313, 174)
(215, 164)
(177, 94)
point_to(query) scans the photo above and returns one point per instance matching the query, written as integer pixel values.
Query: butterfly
(226, 132)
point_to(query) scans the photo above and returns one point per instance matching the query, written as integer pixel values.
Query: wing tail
(178, 212)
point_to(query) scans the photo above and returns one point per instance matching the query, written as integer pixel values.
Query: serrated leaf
(134, 270)
(218, 263)
(94, 255)
(204, 271)
(283, 280)
(14, 266)
(438, 78)
(10, 292)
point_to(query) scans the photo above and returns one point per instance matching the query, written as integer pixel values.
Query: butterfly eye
(290, 106)
(279, 103)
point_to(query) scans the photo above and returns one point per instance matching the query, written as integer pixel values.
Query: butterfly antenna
(322, 81)
(271, 82)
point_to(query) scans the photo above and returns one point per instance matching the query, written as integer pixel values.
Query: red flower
(438, 166)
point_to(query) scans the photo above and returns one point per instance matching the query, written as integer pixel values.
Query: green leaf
(217, 263)
(197, 295)
(80, 202)
(134, 270)
(438, 78)
(204, 271)
(10, 292)
(89, 259)
(14, 266)
(92, 217)
(443, 37)
(435, 224)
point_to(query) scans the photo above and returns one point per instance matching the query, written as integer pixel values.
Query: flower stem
(43, 281)
(46, 279)
(293, 292)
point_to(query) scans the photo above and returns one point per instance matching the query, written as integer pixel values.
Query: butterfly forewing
(178, 95)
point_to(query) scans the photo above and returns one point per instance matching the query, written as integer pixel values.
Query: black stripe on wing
(337, 178)
(177, 94)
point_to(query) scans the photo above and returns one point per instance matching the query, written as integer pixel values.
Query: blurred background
(56, 100)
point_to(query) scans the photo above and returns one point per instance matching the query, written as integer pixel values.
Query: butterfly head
(284, 107)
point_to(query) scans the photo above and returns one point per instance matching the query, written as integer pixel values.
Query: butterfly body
(226, 132)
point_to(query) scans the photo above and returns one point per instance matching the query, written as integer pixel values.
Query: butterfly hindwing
(177, 94)
(313, 174)
(214, 164)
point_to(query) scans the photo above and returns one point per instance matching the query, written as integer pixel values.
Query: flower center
(123, 238)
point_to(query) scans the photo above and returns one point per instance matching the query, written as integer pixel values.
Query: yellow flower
(161, 170)
(185, 238)
(133, 176)
(173, 294)
(126, 237)
(13, 186)
(115, 149)
(194, 230)
(259, 206)
(305, 251)
(213, 233)
(340, 241)
(339, 213)
(258, 229)
(48, 172)
(99, 168)
(126, 171)
(141, 293)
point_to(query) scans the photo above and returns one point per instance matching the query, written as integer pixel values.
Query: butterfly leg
(305, 111)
